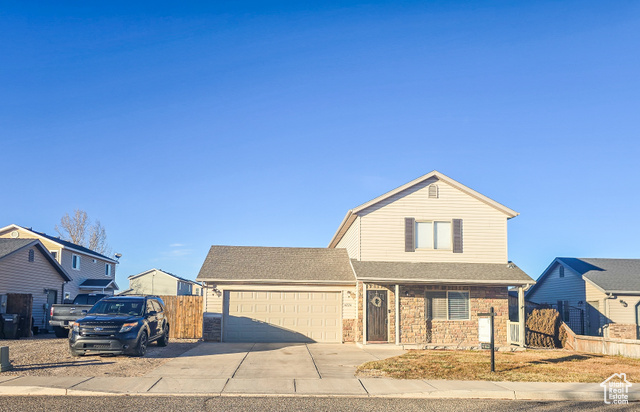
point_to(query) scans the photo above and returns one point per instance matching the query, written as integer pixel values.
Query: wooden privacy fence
(185, 316)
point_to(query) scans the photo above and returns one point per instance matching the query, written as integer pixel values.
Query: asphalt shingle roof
(437, 272)
(611, 275)
(8, 246)
(235, 263)
(70, 244)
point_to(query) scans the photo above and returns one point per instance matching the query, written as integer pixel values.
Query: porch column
(521, 314)
(364, 313)
(397, 292)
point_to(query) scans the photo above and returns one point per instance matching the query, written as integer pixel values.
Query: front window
(75, 262)
(447, 305)
(433, 235)
(118, 307)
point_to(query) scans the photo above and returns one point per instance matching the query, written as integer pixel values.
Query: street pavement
(300, 370)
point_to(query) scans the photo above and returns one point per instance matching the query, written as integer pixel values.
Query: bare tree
(76, 228)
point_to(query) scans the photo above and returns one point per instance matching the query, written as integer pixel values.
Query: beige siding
(618, 313)
(351, 240)
(88, 268)
(553, 288)
(349, 304)
(382, 226)
(18, 275)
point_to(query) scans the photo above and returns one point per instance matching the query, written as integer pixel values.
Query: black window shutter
(409, 237)
(457, 235)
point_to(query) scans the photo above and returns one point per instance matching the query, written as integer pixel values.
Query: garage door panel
(273, 316)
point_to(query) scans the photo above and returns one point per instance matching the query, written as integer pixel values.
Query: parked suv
(120, 324)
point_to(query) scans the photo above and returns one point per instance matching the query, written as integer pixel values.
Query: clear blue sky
(182, 126)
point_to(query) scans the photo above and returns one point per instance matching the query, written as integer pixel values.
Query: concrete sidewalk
(349, 387)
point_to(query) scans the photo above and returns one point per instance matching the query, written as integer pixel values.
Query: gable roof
(10, 246)
(64, 243)
(351, 214)
(442, 273)
(166, 273)
(98, 284)
(276, 264)
(608, 275)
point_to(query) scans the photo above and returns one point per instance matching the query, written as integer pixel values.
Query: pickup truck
(63, 314)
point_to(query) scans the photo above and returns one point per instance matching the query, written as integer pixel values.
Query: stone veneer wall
(348, 330)
(622, 331)
(414, 328)
(212, 327)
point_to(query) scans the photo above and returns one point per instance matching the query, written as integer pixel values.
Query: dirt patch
(46, 355)
(550, 365)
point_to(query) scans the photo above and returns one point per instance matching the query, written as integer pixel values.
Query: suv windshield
(118, 307)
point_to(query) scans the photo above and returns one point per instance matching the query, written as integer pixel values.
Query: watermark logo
(616, 389)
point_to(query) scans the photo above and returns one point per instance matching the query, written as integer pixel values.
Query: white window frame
(78, 261)
(433, 229)
(107, 269)
(448, 318)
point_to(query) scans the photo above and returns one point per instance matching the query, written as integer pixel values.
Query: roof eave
(450, 281)
(279, 281)
(342, 229)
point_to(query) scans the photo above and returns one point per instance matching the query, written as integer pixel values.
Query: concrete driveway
(272, 361)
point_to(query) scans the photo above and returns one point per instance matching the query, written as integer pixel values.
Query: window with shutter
(436, 305)
(433, 235)
(457, 235)
(458, 305)
(409, 245)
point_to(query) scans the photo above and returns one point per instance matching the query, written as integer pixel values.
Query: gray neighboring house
(602, 294)
(27, 267)
(159, 282)
(91, 272)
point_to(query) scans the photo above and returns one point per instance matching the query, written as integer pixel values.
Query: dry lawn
(45, 355)
(528, 366)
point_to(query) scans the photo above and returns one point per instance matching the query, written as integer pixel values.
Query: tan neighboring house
(26, 266)
(414, 266)
(595, 296)
(90, 271)
(159, 282)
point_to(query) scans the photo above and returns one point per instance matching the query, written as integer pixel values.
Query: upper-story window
(107, 269)
(433, 235)
(32, 255)
(75, 262)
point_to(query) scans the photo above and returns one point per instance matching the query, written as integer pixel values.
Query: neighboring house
(413, 266)
(90, 271)
(598, 296)
(159, 282)
(27, 267)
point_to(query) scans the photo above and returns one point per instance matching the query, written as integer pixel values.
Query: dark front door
(593, 318)
(376, 315)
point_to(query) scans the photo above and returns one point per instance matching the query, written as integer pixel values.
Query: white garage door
(270, 316)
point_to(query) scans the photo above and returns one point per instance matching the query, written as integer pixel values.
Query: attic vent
(31, 255)
(433, 191)
(561, 271)
(15, 234)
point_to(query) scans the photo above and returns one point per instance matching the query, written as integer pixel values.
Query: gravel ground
(46, 355)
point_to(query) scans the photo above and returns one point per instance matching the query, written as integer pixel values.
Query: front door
(377, 316)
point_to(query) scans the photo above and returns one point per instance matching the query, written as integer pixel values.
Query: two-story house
(414, 266)
(90, 271)
(159, 282)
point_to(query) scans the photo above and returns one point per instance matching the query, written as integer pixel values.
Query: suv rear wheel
(164, 339)
(141, 347)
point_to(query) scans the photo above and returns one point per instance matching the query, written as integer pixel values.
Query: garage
(282, 316)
